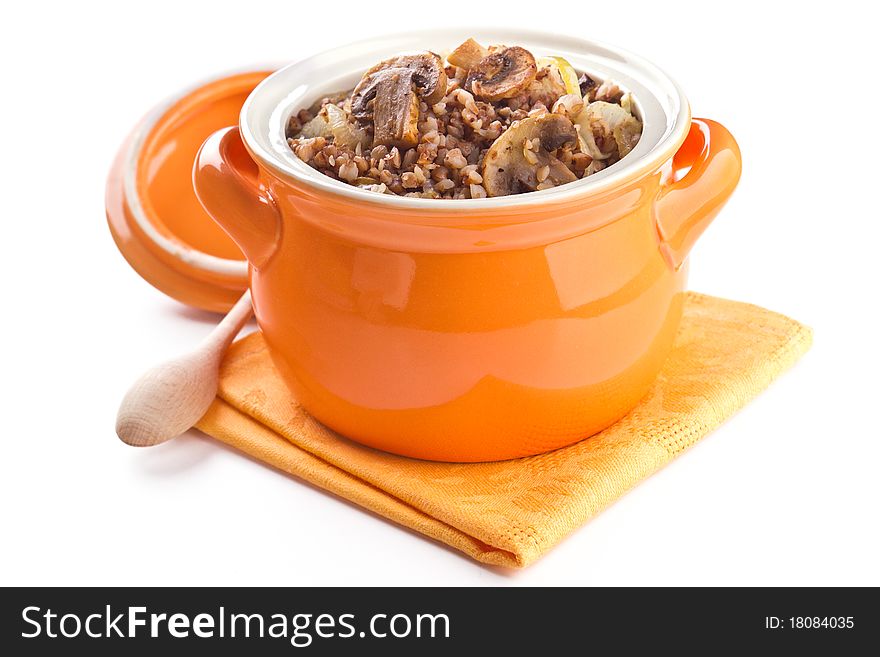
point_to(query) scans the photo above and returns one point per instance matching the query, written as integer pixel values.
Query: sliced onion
(344, 132)
(566, 72)
(586, 141)
(317, 127)
(622, 126)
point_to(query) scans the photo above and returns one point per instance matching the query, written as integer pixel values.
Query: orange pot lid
(155, 218)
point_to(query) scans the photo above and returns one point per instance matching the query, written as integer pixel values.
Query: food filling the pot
(483, 122)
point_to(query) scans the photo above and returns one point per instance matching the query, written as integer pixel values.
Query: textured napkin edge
(242, 432)
(678, 435)
(253, 437)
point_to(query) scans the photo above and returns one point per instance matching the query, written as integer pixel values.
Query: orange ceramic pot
(468, 330)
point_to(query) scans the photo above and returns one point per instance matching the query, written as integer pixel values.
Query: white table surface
(786, 492)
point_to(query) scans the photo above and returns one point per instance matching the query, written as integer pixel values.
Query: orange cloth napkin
(510, 513)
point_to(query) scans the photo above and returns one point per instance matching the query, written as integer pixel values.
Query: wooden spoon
(169, 399)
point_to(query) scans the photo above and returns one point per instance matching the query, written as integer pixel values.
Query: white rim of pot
(658, 98)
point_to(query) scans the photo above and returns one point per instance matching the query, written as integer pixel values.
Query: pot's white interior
(659, 101)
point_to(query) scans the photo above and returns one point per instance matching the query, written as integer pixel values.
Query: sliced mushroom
(388, 95)
(428, 76)
(396, 109)
(467, 55)
(502, 74)
(506, 168)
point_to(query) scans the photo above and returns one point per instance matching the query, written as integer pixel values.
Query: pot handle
(226, 182)
(687, 206)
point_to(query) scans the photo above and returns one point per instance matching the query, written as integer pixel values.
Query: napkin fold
(510, 513)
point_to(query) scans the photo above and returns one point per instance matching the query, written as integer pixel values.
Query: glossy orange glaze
(164, 189)
(178, 280)
(469, 336)
(166, 158)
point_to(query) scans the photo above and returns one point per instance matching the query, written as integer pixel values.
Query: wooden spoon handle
(169, 399)
(230, 326)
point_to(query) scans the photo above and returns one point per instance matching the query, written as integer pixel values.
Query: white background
(786, 492)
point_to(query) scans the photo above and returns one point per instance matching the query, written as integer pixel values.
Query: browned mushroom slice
(427, 75)
(502, 74)
(396, 109)
(467, 55)
(364, 95)
(507, 169)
